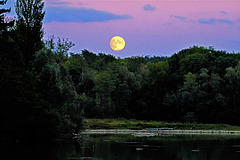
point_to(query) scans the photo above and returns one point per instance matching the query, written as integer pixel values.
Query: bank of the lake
(156, 131)
(123, 125)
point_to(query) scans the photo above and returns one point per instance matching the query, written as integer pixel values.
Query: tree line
(45, 90)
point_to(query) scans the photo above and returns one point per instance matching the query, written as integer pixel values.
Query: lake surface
(128, 147)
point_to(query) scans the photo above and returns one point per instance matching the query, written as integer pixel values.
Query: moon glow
(117, 43)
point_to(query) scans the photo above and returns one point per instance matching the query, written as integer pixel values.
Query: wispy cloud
(182, 18)
(226, 21)
(223, 12)
(83, 15)
(149, 7)
(207, 21)
(213, 21)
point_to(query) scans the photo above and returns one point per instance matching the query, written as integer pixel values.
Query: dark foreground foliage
(46, 91)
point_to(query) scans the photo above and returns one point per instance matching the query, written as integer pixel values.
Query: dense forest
(45, 90)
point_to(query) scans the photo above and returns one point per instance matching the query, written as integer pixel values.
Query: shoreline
(159, 132)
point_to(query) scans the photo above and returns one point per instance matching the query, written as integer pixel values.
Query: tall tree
(29, 27)
(233, 86)
(105, 84)
(5, 38)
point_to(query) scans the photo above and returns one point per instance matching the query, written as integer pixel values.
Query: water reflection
(127, 147)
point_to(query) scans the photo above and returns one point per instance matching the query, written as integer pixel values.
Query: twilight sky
(149, 27)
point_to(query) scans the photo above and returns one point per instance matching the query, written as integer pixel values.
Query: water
(127, 147)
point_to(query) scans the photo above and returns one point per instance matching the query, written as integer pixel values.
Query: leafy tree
(133, 63)
(59, 46)
(29, 27)
(190, 117)
(57, 89)
(158, 71)
(89, 57)
(155, 59)
(7, 45)
(102, 61)
(233, 86)
(186, 98)
(144, 74)
(123, 94)
(12, 79)
(193, 63)
(105, 84)
(82, 75)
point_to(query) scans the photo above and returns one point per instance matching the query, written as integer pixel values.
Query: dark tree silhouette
(29, 27)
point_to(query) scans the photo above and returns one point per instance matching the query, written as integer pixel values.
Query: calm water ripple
(127, 147)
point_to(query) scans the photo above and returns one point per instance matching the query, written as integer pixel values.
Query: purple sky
(149, 27)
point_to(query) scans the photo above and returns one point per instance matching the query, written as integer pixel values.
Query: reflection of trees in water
(164, 148)
(126, 147)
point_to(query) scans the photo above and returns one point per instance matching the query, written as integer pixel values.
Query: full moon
(117, 43)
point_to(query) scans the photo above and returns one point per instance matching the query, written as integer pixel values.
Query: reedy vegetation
(45, 90)
(126, 124)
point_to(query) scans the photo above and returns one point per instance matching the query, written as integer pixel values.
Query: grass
(140, 124)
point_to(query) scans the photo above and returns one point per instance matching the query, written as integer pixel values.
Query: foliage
(46, 91)
(29, 28)
(140, 124)
(38, 96)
